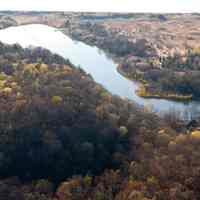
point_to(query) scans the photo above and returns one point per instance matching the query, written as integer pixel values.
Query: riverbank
(101, 68)
(142, 91)
(136, 56)
(93, 41)
(140, 61)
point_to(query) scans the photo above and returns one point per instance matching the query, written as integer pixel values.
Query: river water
(94, 61)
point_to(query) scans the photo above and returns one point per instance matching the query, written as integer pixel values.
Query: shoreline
(117, 60)
(142, 92)
(173, 97)
(147, 95)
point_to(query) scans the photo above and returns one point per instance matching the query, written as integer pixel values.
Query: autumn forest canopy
(64, 137)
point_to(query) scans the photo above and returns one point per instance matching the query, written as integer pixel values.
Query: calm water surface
(92, 60)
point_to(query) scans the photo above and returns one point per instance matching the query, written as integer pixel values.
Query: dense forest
(117, 45)
(64, 137)
(171, 77)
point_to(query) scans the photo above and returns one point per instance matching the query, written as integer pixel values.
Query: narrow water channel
(93, 60)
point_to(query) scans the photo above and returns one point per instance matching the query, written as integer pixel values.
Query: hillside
(55, 122)
(64, 137)
(55, 111)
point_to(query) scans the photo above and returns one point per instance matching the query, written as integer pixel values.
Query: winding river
(93, 60)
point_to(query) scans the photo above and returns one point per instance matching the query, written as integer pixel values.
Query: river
(94, 61)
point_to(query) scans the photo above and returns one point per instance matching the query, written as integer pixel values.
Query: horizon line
(122, 12)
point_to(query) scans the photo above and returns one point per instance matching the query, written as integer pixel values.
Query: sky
(103, 5)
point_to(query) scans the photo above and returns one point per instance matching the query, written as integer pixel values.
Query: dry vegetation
(63, 137)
